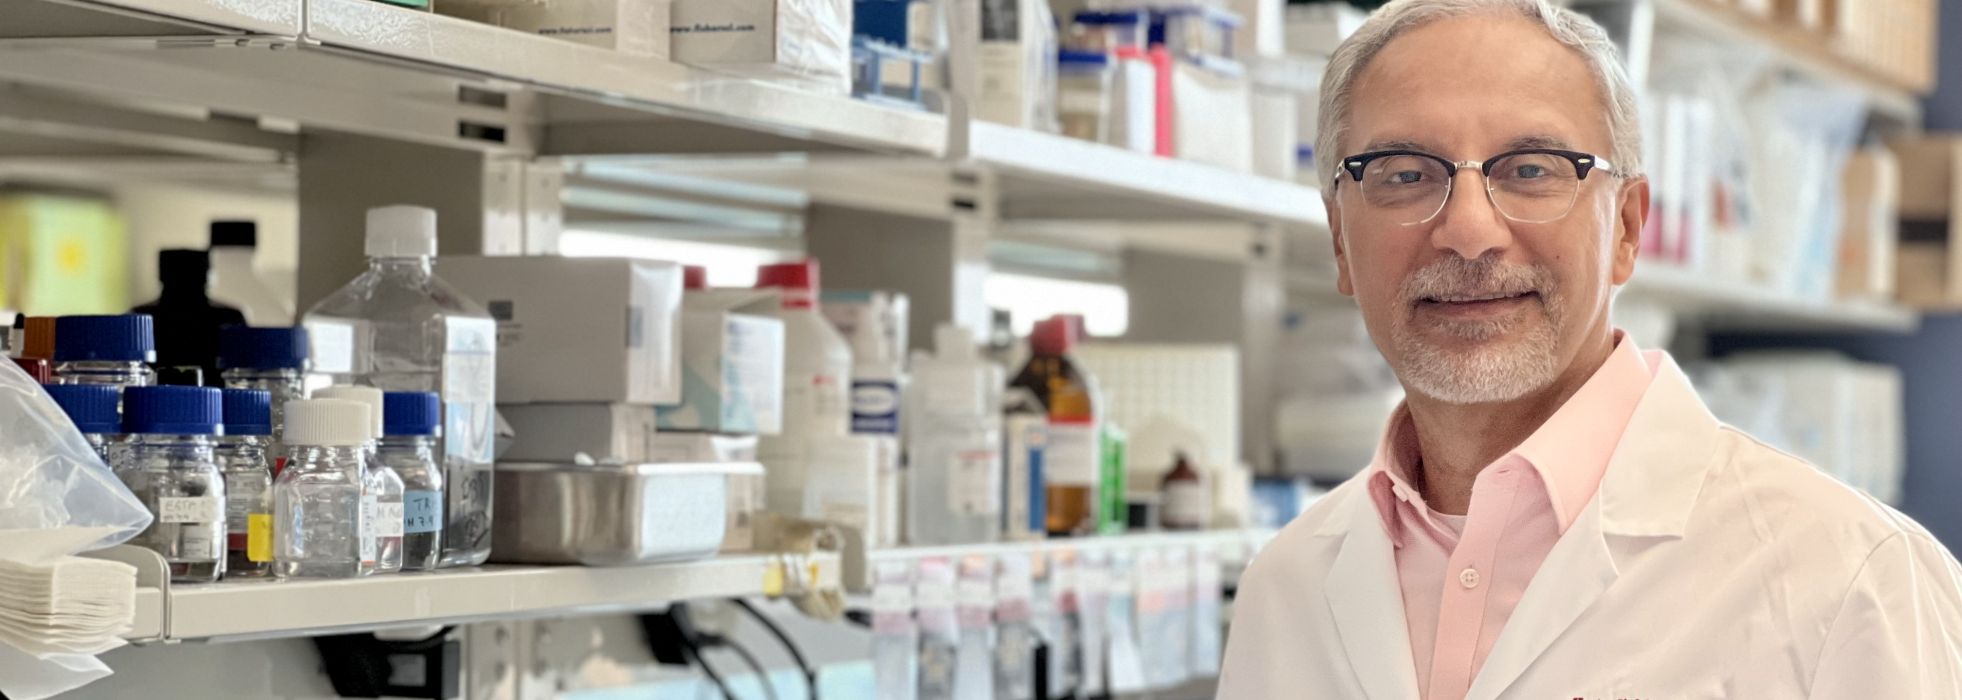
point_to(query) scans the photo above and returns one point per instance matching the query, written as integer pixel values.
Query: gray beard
(1510, 357)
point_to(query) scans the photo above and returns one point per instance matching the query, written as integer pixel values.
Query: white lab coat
(1707, 566)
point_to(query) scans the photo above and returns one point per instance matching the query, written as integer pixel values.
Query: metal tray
(610, 514)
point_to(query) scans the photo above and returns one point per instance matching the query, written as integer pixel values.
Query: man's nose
(1470, 225)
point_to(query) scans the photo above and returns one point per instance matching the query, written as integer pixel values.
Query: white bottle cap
(327, 423)
(365, 395)
(401, 231)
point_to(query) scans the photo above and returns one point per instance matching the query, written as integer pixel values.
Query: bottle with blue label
(408, 444)
(874, 324)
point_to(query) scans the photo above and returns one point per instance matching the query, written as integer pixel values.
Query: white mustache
(1453, 278)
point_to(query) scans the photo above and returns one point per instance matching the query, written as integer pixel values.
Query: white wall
(164, 216)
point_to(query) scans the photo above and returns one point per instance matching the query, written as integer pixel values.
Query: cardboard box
(1016, 65)
(1212, 119)
(1870, 189)
(578, 329)
(702, 447)
(809, 41)
(731, 374)
(638, 27)
(606, 432)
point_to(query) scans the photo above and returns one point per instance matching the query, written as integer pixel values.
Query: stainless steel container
(609, 514)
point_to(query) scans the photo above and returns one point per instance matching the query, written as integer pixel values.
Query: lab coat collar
(1651, 485)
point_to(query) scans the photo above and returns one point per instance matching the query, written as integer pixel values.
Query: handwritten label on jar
(190, 509)
(388, 520)
(422, 511)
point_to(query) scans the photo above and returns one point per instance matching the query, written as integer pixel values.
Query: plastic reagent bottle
(111, 350)
(272, 359)
(173, 430)
(954, 443)
(248, 483)
(409, 422)
(233, 280)
(185, 308)
(381, 491)
(397, 327)
(816, 384)
(318, 531)
(92, 407)
(1073, 458)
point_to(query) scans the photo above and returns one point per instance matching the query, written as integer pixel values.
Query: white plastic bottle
(816, 384)
(233, 281)
(953, 437)
(397, 327)
(382, 490)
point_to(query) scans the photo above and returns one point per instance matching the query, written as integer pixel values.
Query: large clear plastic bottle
(173, 430)
(817, 371)
(318, 530)
(93, 409)
(248, 483)
(234, 244)
(409, 422)
(397, 327)
(381, 491)
(110, 350)
(270, 359)
(953, 436)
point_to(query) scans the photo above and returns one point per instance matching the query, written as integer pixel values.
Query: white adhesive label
(388, 521)
(1188, 503)
(197, 544)
(364, 530)
(190, 509)
(974, 482)
(1073, 457)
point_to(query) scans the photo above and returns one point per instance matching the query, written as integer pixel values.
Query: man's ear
(1629, 220)
(1334, 212)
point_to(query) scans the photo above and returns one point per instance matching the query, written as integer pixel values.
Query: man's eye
(1529, 172)
(1406, 177)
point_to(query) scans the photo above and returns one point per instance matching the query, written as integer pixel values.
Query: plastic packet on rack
(1092, 591)
(1015, 632)
(1123, 623)
(1206, 603)
(1060, 619)
(56, 495)
(974, 675)
(895, 639)
(934, 608)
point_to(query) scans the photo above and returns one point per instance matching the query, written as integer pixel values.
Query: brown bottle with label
(1187, 503)
(1073, 457)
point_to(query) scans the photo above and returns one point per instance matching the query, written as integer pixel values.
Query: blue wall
(1931, 362)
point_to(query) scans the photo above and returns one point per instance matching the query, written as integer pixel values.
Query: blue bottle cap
(91, 406)
(173, 410)
(125, 338)
(248, 412)
(262, 348)
(410, 413)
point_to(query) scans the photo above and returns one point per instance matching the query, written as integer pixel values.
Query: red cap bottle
(1052, 337)
(798, 280)
(694, 278)
(37, 368)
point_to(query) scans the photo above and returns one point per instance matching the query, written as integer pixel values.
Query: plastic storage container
(954, 443)
(609, 514)
(173, 469)
(1083, 81)
(816, 383)
(397, 327)
(111, 350)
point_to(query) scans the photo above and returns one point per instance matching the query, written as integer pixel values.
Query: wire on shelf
(762, 676)
(797, 655)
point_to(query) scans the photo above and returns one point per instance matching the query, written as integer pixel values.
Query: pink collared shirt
(1463, 575)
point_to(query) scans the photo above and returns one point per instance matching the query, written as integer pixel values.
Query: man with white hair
(1552, 513)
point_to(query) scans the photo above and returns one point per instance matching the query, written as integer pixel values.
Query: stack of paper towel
(55, 615)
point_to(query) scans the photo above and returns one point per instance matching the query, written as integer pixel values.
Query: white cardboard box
(731, 374)
(556, 432)
(579, 329)
(809, 40)
(638, 27)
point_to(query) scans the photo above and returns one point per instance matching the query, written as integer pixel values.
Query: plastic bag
(51, 479)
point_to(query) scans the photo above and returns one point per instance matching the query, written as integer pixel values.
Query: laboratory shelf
(1730, 305)
(109, 19)
(1794, 49)
(293, 608)
(1235, 545)
(1050, 176)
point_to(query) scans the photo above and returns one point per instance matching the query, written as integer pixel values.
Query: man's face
(1470, 306)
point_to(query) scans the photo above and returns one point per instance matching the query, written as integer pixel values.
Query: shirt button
(1468, 578)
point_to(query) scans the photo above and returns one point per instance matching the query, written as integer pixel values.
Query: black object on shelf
(361, 666)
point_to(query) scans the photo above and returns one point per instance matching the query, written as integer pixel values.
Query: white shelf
(269, 609)
(1234, 545)
(1790, 48)
(1731, 305)
(1050, 176)
(95, 19)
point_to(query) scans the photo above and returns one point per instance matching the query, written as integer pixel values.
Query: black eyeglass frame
(1584, 163)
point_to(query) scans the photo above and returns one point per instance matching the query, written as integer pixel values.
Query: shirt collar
(1570, 451)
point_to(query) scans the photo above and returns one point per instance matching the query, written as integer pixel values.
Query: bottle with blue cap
(318, 528)
(93, 409)
(110, 350)
(272, 359)
(399, 327)
(173, 469)
(248, 483)
(408, 445)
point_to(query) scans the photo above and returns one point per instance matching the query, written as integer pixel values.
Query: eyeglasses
(1529, 185)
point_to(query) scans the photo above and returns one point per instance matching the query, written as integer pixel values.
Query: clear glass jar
(109, 372)
(383, 495)
(248, 505)
(178, 478)
(413, 458)
(284, 385)
(318, 527)
(1083, 87)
